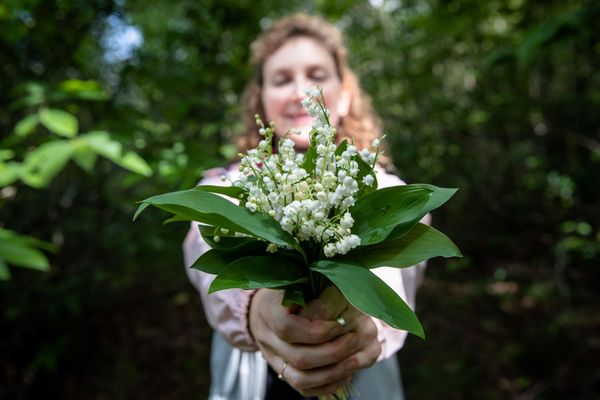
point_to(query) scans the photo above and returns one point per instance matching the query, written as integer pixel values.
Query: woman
(308, 351)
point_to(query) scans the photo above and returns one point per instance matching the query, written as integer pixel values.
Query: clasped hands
(313, 352)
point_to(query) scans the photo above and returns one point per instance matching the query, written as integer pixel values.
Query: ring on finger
(340, 320)
(280, 375)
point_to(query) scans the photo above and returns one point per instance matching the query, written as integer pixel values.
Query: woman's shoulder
(387, 178)
(221, 176)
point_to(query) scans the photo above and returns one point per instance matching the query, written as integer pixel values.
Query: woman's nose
(300, 85)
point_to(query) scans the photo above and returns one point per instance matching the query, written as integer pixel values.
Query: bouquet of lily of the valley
(301, 222)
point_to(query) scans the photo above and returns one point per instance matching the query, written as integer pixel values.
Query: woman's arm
(226, 311)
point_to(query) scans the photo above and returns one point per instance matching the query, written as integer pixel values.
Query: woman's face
(299, 63)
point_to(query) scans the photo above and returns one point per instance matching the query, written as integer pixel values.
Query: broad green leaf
(30, 94)
(140, 209)
(310, 156)
(378, 213)
(259, 272)
(438, 197)
(368, 293)
(26, 240)
(4, 272)
(45, 162)
(101, 143)
(421, 243)
(214, 260)
(58, 121)
(364, 169)
(212, 209)
(226, 241)
(293, 296)
(13, 251)
(87, 90)
(134, 163)
(9, 172)
(83, 155)
(341, 147)
(6, 154)
(25, 126)
(232, 191)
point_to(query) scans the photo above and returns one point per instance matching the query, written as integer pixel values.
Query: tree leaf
(4, 271)
(9, 172)
(101, 143)
(368, 293)
(134, 163)
(44, 163)
(13, 251)
(58, 121)
(212, 209)
(378, 213)
(83, 155)
(86, 90)
(25, 126)
(421, 243)
(258, 272)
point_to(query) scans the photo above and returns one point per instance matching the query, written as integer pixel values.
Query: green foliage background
(498, 98)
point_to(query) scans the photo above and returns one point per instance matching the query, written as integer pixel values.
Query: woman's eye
(318, 77)
(280, 80)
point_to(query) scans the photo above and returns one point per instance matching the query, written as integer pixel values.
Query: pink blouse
(227, 310)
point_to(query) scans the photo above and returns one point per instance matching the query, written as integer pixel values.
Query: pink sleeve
(404, 281)
(227, 310)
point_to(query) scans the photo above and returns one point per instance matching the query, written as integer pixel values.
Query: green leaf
(341, 147)
(9, 172)
(232, 191)
(214, 260)
(26, 240)
(58, 121)
(134, 163)
(368, 293)
(14, 251)
(212, 209)
(310, 156)
(364, 169)
(226, 241)
(4, 272)
(101, 143)
(421, 243)
(44, 163)
(378, 213)
(6, 154)
(293, 296)
(86, 90)
(258, 272)
(83, 155)
(438, 197)
(140, 209)
(26, 125)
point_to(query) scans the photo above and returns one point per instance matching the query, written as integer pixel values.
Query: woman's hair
(361, 123)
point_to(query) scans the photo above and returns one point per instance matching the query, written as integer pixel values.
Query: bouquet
(305, 221)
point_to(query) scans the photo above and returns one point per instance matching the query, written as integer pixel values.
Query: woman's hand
(319, 354)
(333, 305)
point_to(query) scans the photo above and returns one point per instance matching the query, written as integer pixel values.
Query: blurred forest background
(106, 102)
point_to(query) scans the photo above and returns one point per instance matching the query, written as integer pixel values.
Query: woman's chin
(301, 141)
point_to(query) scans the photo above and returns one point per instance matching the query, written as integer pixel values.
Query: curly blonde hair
(361, 123)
